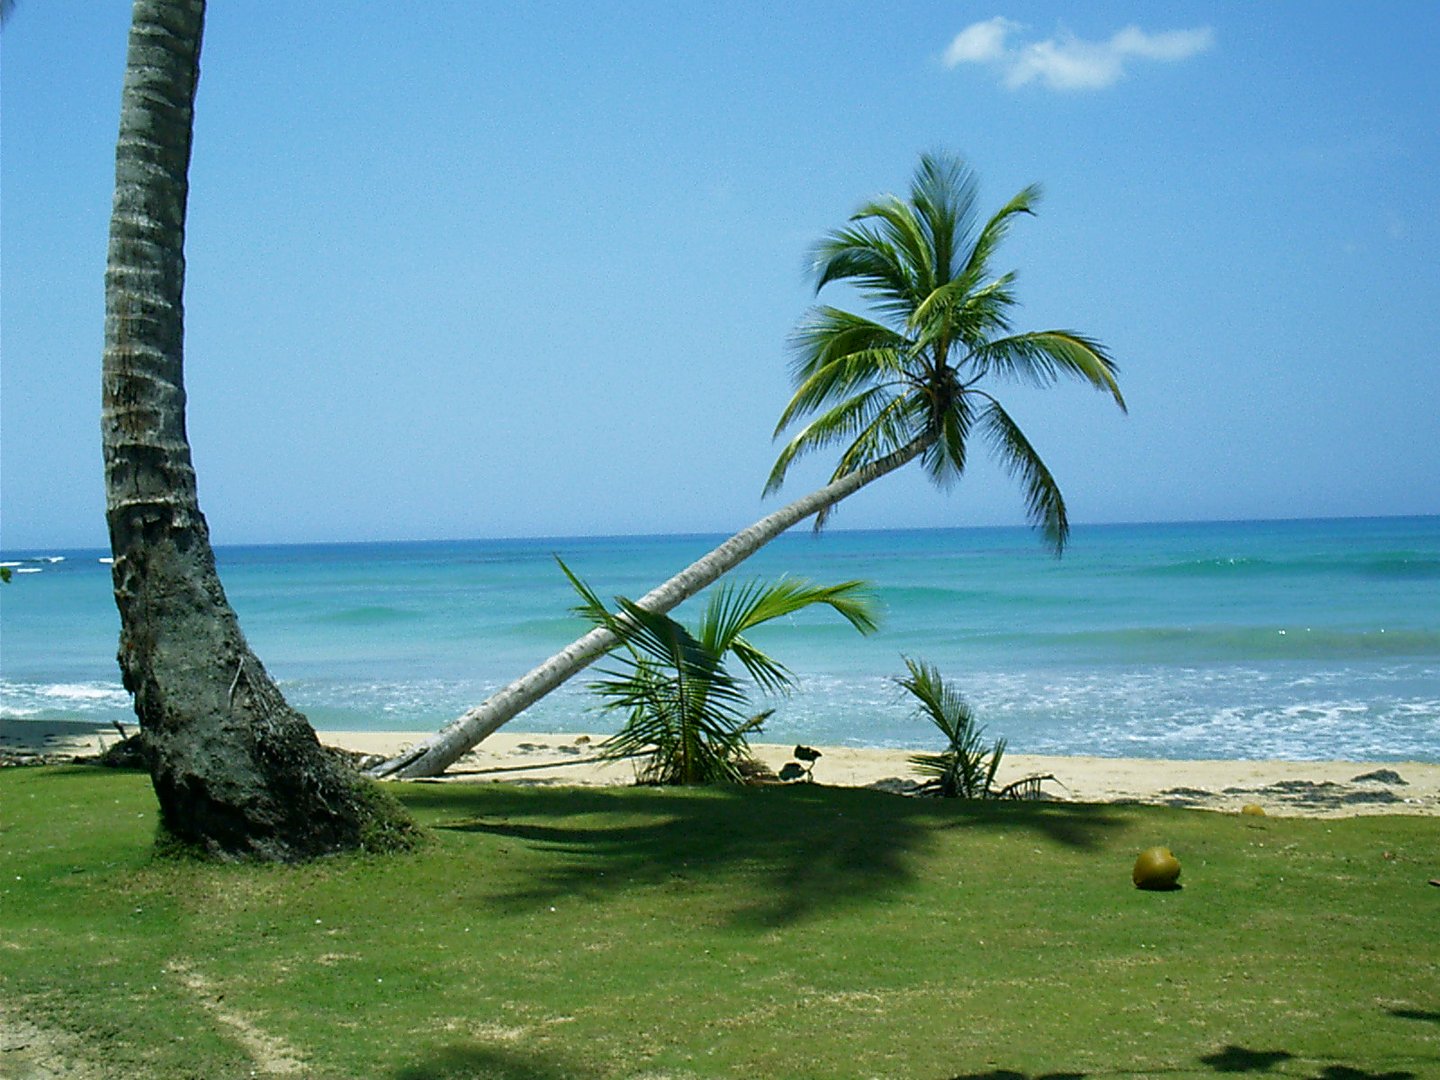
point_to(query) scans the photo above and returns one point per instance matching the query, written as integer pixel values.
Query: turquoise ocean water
(1297, 639)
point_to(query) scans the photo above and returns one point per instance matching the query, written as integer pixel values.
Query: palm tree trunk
(237, 772)
(437, 753)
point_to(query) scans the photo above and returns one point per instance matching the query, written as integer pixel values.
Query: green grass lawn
(801, 931)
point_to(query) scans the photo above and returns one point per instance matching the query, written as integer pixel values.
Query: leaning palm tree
(237, 772)
(912, 382)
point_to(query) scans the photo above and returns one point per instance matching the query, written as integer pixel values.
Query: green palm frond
(860, 421)
(1042, 357)
(905, 234)
(830, 335)
(734, 610)
(886, 428)
(677, 736)
(837, 355)
(737, 610)
(835, 385)
(771, 676)
(1044, 504)
(977, 262)
(946, 457)
(861, 254)
(664, 641)
(591, 606)
(944, 192)
(927, 321)
(942, 705)
(966, 318)
(685, 715)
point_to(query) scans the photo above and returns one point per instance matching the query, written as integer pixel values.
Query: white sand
(1309, 788)
(1079, 779)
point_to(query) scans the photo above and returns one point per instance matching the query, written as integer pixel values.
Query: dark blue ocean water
(1297, 639)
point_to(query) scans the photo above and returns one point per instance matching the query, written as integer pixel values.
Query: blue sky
(503, 270)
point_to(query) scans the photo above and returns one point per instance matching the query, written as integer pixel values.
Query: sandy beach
(1281, 788)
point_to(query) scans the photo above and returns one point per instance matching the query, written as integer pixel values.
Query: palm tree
(686, 716)
(237, 772)
(965, 768)
(911, 383)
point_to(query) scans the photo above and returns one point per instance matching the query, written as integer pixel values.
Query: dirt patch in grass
(272, 1055)
(30, 1051)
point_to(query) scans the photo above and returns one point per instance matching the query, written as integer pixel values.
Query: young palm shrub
(687, 718)
(965, 769)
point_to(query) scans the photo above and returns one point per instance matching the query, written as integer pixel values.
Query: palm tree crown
(914, 377)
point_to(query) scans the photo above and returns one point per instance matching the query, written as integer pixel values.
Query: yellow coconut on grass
(1156, 868)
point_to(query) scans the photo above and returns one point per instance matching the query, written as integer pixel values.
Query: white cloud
(1170, 45)
(1066, 62)
(980, 42)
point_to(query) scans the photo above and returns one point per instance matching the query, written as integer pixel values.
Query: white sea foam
(81, 691)
(56, 701)
(1157, 712)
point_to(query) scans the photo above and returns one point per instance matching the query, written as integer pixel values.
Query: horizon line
(6, 553)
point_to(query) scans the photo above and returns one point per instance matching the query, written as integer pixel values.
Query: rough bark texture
(237, 771)
(437, 753)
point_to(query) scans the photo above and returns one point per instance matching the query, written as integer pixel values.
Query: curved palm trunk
(237, 771)
(437, 753)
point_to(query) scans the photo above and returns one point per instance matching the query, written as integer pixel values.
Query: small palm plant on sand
(966, 768)
(687, 718)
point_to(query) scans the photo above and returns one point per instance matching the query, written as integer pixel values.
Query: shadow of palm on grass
(1240, 1059)
(818, 848)
(1233, 1059)
(1011, 1074)
(475, 1062)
